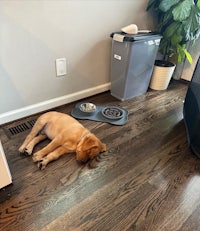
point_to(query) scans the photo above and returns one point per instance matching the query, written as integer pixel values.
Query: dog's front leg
(42, 163)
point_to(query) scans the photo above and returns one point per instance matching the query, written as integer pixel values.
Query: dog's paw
(21, 149)
(42, 164)
(28, 151)
(24, 151)
(36, 157)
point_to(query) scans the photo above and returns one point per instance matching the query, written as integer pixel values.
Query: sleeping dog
(67, 135)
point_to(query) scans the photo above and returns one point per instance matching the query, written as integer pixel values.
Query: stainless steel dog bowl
(87, 108)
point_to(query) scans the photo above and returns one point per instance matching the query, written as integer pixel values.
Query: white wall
(34, 33)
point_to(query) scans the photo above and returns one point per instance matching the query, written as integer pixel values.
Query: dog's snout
(82, 161)
(81, 157)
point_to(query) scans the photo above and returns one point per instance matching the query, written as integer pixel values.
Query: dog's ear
(94, 146)
(89, 148)
(93, 151)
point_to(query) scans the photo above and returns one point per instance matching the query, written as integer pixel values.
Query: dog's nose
(82, 161)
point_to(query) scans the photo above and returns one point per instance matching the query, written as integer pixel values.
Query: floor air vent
(31, 122)
(18, 129)
(15, 130)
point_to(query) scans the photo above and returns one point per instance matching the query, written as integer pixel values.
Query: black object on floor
(191, 111)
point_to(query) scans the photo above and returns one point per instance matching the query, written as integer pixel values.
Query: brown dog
(67, 135)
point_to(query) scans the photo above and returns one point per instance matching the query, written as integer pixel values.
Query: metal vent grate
(14, 130)
(31, 122)
(18, 129)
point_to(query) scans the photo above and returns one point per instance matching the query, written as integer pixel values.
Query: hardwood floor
(147, 180)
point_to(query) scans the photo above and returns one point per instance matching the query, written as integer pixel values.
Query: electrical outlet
(61, 67)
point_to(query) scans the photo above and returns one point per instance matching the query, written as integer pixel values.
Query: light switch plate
(61, 68)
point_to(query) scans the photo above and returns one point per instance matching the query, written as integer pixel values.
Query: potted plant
(178, 23)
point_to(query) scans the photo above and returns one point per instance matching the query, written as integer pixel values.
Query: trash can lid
(136, 37)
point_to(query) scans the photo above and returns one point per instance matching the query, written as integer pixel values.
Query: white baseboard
(46, 105)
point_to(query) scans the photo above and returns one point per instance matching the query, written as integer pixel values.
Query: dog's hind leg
(29, 148)
(38, 126)
(50, 157)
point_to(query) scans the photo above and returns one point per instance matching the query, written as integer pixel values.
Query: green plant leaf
(192, 24)
(165, 5)
(163, 47)
(182, 10)
(176, 39)
(182, 53)
(198, 4)
(166, 20)
(153, 4)
(188, 56)
(171, 29)
(150, 4)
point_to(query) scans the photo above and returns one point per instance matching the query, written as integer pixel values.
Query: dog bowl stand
(98, 116)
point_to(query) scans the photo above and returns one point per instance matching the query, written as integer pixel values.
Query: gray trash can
(132, 62)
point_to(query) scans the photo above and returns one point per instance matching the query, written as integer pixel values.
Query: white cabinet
(5, 176)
